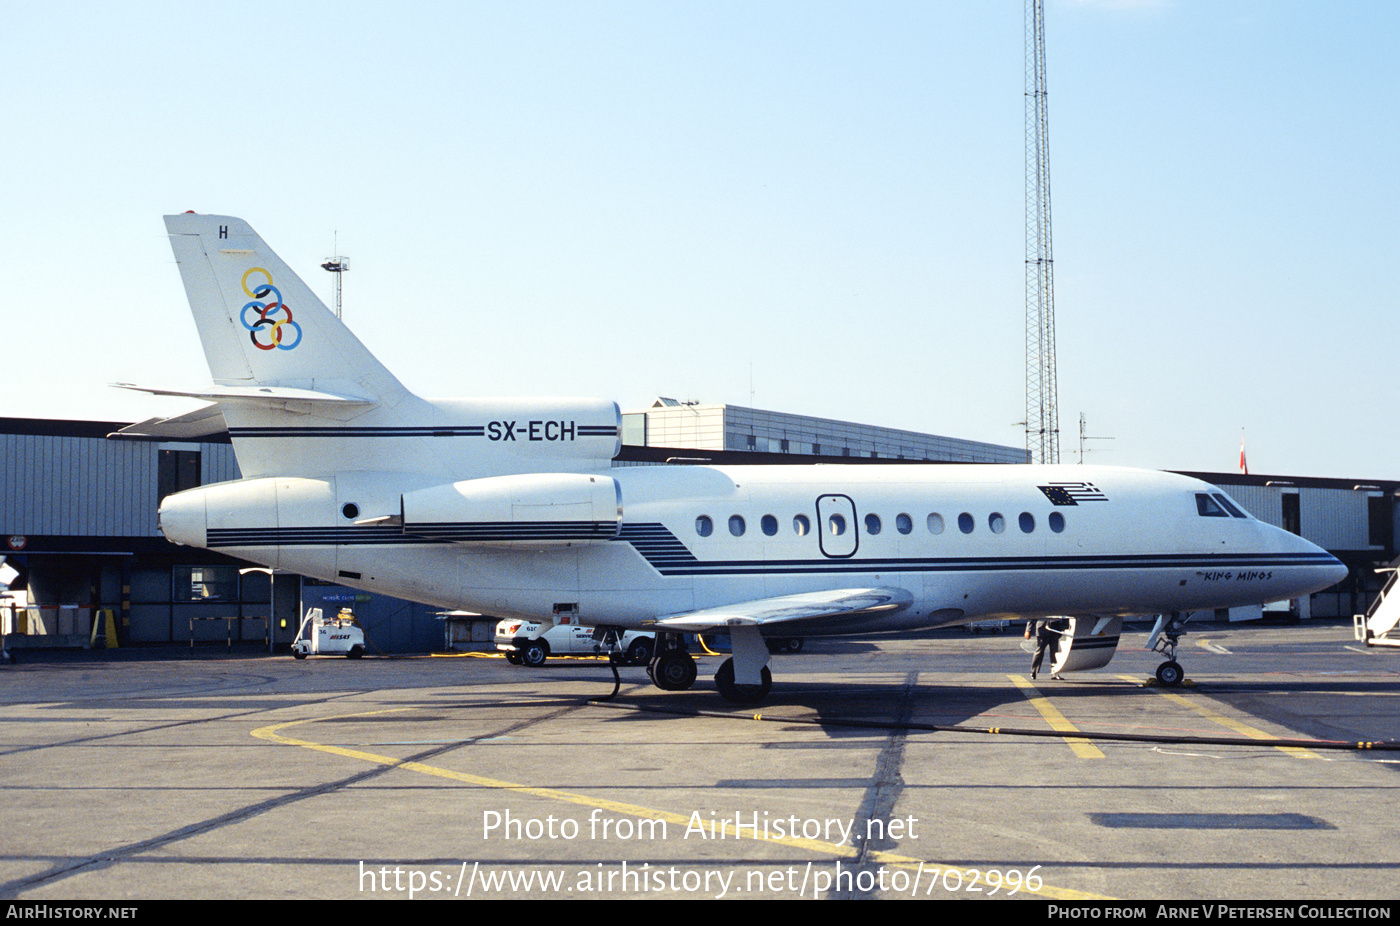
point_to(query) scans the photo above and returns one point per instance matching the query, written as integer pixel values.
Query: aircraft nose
(1335, 571)
(1324, 570)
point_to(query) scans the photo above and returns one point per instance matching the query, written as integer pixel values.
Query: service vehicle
(329, 636)
(527, 643)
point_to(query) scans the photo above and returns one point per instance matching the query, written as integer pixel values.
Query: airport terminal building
(78, 518)
(693, 426)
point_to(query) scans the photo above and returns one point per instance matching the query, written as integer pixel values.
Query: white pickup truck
(524, 643)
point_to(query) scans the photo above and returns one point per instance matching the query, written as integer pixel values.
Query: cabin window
(837, 525)
(1056, 522)
(801, 526)
(872, 524)
(769, 525)
(935, 523)
(996, 522)
(736, 525)
(704, 526)
(1027, 522)
(965, 523)
(903, 523)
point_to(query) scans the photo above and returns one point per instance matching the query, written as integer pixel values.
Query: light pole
(337, 265)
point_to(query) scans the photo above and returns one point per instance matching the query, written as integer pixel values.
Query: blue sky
(816, 204)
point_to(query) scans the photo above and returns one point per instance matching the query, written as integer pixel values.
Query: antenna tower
(337, 265)
(1042, 413)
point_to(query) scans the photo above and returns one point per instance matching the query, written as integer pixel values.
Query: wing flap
(841, 605)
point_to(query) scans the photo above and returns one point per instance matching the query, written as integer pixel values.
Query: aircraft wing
(841, 605)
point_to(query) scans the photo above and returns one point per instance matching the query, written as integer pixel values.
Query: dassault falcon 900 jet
(512, 507)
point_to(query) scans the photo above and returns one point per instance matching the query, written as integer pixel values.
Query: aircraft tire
(639, 653)
(741, 694)
(534, 653)
(1170, 674)
(673, 671)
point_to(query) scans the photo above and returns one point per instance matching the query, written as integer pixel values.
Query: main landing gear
(742, 679)
(671, 668)
(1164, 639)
(745, 678)
(742, 694)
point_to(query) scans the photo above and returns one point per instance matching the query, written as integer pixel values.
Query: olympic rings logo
(279, 332)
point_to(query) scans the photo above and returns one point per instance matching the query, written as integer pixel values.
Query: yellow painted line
(1231, 723)
(713, 829)
(1082, 748)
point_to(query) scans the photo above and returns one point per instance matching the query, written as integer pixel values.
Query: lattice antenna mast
(337, 265)
(1042, 413)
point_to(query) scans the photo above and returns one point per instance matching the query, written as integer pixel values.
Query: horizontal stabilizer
(204, 422)
(256, 394)
(796, 611)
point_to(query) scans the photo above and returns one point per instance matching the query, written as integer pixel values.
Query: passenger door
(836, 526)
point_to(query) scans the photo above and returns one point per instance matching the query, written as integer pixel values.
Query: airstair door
(836, 526)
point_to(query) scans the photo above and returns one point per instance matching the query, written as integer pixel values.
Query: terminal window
(177, 470)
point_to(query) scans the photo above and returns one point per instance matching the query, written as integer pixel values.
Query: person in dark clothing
(1047, 637)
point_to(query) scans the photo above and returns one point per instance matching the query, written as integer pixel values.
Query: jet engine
(529, 508)
(1089, 643)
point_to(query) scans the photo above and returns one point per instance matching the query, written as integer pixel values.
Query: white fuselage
(966, 541)
(512, 506)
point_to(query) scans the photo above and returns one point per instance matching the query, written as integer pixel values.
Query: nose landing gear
(1166, 634)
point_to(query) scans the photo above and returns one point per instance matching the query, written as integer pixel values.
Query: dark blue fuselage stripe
(890, 566)
(476, 430)
(670, 557)
(413, 533)
(516, 530)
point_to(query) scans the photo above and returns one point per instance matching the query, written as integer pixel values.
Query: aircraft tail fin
(260, 324)
(301, 396)
(285, 368)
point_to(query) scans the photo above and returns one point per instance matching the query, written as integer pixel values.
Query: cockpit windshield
(1217, 505)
